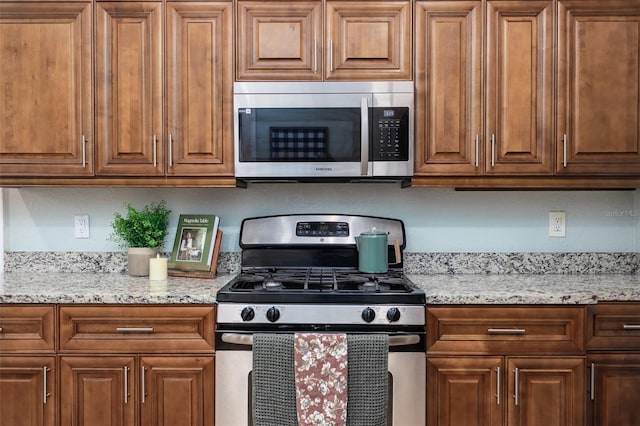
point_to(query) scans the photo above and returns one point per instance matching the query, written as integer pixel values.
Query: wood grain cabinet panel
(459, 129)
(129, 119)
(126, 329)
(199, 89)
(46, 96)
(528, 366)
(330, 40)
(506, 330)
(28, 390)
(614, 389)
(613, 326)
(27, 328)
(598, 87)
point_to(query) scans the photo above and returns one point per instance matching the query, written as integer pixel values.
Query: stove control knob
(368, 314)
(247, 314)
(393, 314)
(273, 314)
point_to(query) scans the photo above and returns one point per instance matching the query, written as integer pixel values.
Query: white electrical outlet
(557, 224)
(82, 225)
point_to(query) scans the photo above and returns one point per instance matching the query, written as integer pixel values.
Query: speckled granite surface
(414, 263)
(446, 278)
(25, 287)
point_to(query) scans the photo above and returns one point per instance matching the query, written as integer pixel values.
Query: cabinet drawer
(613, 326)
(118, 329)
(506, 330)
(27, 328)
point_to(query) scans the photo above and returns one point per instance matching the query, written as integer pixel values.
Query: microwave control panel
(390, 134)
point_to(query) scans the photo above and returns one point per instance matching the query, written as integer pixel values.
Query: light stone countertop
(103, 288)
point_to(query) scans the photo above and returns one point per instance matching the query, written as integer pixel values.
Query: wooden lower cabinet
(115, 390)
(615, 389)
(613, 345)
(506, 366)
(27, 391)
(513, 391)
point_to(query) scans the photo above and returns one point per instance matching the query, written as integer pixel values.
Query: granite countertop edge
(440, 289)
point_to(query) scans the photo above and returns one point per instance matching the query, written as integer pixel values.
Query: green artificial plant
(141, 228)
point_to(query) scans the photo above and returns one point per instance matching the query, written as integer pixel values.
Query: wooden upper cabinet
(448, 104)
(598, 87)
(199, 88)
(279, 40)
(507, 132)
(362, 40)
(46, 89)
(129, 88)
(368, 40)
(519, 91)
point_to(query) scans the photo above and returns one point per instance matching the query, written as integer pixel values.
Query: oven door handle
(247, 339)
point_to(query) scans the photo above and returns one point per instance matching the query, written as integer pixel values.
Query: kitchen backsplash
(414, 263)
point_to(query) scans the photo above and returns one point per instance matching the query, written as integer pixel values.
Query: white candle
(158, 268)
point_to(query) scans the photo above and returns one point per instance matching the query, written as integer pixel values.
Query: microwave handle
(364, 136)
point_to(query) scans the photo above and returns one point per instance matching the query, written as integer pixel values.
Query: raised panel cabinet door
(465, 391)
(199, 88)
(46, 89)
(519, 91)
(279, 40)
(28, 395)
(97, 391)
(177, 391)
(129, 88)
(448, 104)
(368, 40)
(615, 397)
(546, 391)
(598, 87)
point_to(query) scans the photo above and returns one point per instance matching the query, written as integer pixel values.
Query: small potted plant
(142, 232)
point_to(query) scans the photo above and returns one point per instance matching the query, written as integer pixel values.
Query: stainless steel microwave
(323, 131)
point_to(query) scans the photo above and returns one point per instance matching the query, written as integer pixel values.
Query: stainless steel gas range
(300, 273)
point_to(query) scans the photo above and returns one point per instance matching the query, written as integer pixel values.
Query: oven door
(294, 131)
(407, 379)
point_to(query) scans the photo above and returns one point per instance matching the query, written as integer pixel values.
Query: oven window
(389, 400)
(299, 134)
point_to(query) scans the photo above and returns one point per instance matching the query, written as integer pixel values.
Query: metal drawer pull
(126, 384)
(1, 329)
(506, 331)
(498, 385)
(45, 395)
(247, 339)
(143, 388)
(134, 329)
(631, 327)
(592, 382)
(477, 150)
(564, 150)
(516, 385)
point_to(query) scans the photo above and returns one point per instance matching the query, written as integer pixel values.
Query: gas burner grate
(319, 279)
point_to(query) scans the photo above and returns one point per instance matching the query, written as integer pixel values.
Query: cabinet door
(97, 391)
(519, 109)
(279, 40)
(546, 391)
(129, 88)
(448, 113)
(599, 87)
(177, 391)
(615, 397)
(465, 391)
(45, 89)
(199, 89)
(27, 391)
(368, 40)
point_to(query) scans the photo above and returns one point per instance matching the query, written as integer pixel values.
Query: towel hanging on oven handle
(247, 339)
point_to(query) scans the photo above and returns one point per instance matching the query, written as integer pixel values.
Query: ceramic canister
(372, 252)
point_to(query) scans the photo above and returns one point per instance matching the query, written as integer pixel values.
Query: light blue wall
(437, 220)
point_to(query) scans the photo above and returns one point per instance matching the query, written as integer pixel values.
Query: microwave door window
(299, 134)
